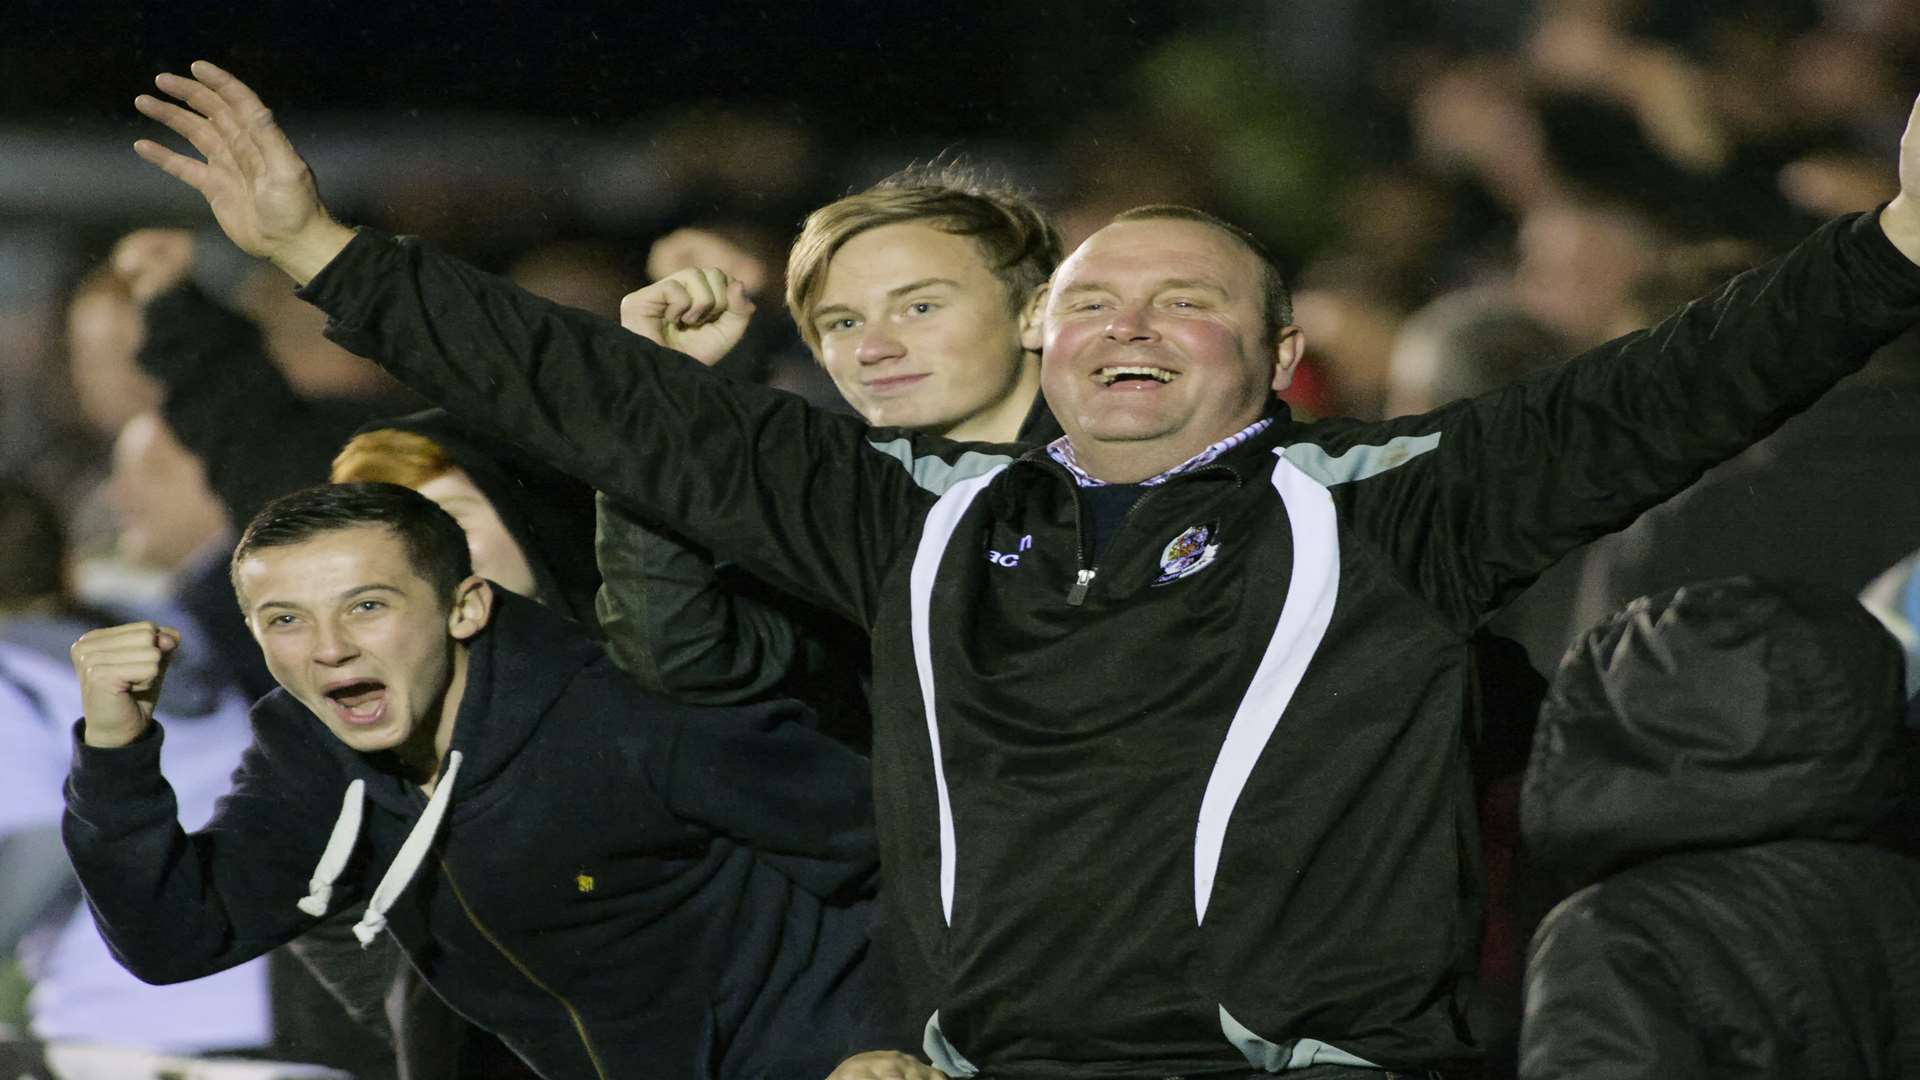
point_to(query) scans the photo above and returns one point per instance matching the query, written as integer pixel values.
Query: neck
(1001, 423)
(420, 756)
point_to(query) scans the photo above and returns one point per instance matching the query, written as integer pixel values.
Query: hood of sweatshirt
(548, 513)
(1716, 715)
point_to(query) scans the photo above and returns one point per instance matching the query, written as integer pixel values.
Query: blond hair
(1018, 241)
(390, 456)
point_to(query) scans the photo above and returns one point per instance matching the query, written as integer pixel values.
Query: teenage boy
(614, 884)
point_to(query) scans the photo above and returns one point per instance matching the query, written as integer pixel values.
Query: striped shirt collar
(1062, 451)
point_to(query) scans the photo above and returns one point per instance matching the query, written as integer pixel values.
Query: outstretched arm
(1484, 495)
(798, 497)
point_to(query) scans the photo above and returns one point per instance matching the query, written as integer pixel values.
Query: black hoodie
(620, 886)
(1719, 758)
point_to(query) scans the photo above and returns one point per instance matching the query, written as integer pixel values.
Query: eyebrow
(894, 293)
(1158, 286)
(357, 590)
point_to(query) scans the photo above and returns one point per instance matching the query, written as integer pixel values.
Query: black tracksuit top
(1209, 810)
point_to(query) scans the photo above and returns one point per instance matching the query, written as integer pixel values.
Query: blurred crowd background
(1463, 191)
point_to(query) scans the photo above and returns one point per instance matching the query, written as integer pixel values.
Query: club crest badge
(1189, 553)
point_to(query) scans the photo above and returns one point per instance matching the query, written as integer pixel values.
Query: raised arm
(259, 189)
(794, 495)
(172, 906)
(1483, 495)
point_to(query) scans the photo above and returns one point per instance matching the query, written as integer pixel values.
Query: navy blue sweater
(622, 886)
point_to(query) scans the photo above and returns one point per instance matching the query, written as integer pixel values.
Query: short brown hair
(390, 456)
(1019, 242)
(436, 546)
(1273, 284)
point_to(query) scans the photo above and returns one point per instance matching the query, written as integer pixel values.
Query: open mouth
(363, 701)
(1132, 373)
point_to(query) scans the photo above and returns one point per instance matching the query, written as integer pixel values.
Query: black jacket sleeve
(793, 494)
(1603, 1003)
(172, 906)
(672, 624)
(1502, 485)
(764, 777)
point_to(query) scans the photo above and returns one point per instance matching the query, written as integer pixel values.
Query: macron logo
(1010, 559)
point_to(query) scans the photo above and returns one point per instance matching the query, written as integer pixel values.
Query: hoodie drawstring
(413, 851)
(346, 830)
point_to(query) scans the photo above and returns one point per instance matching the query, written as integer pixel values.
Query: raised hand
(120, 671)
(701, 311)
(885, 1065)
(151, 261)
(260, 190)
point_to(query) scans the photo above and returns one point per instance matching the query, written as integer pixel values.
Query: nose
(1132, 324)
(877, 345)
(332, 645)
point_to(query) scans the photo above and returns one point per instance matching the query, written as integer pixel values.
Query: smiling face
(917, 332)
(351, 630)
(1157, 346)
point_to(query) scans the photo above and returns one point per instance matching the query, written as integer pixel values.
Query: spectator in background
(1465, 344)
(1713, 764)
(80, 993)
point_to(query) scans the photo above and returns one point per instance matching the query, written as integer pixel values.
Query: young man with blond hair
(916, 296)
(1169, 764)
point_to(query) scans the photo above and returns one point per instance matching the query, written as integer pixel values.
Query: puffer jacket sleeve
(1602, 1002)
(794, 494)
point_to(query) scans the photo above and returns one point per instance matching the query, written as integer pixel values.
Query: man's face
(495, 555)
(1155, 346)
(352, 631)
(917, 332)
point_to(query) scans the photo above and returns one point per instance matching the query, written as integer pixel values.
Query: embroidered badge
(583, 882)
(1189, 553)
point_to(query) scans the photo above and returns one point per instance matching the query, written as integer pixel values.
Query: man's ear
(1033, 318)
(1286, 356)
(472, 608)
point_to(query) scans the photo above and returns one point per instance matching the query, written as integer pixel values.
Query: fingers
(152, 261)
(190, 126)
(182, 168)
(688, 298)
(251, 115)
(124, 659)
(235, 134)
(738, 301)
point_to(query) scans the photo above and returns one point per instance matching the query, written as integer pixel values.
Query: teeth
(1108, 375)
